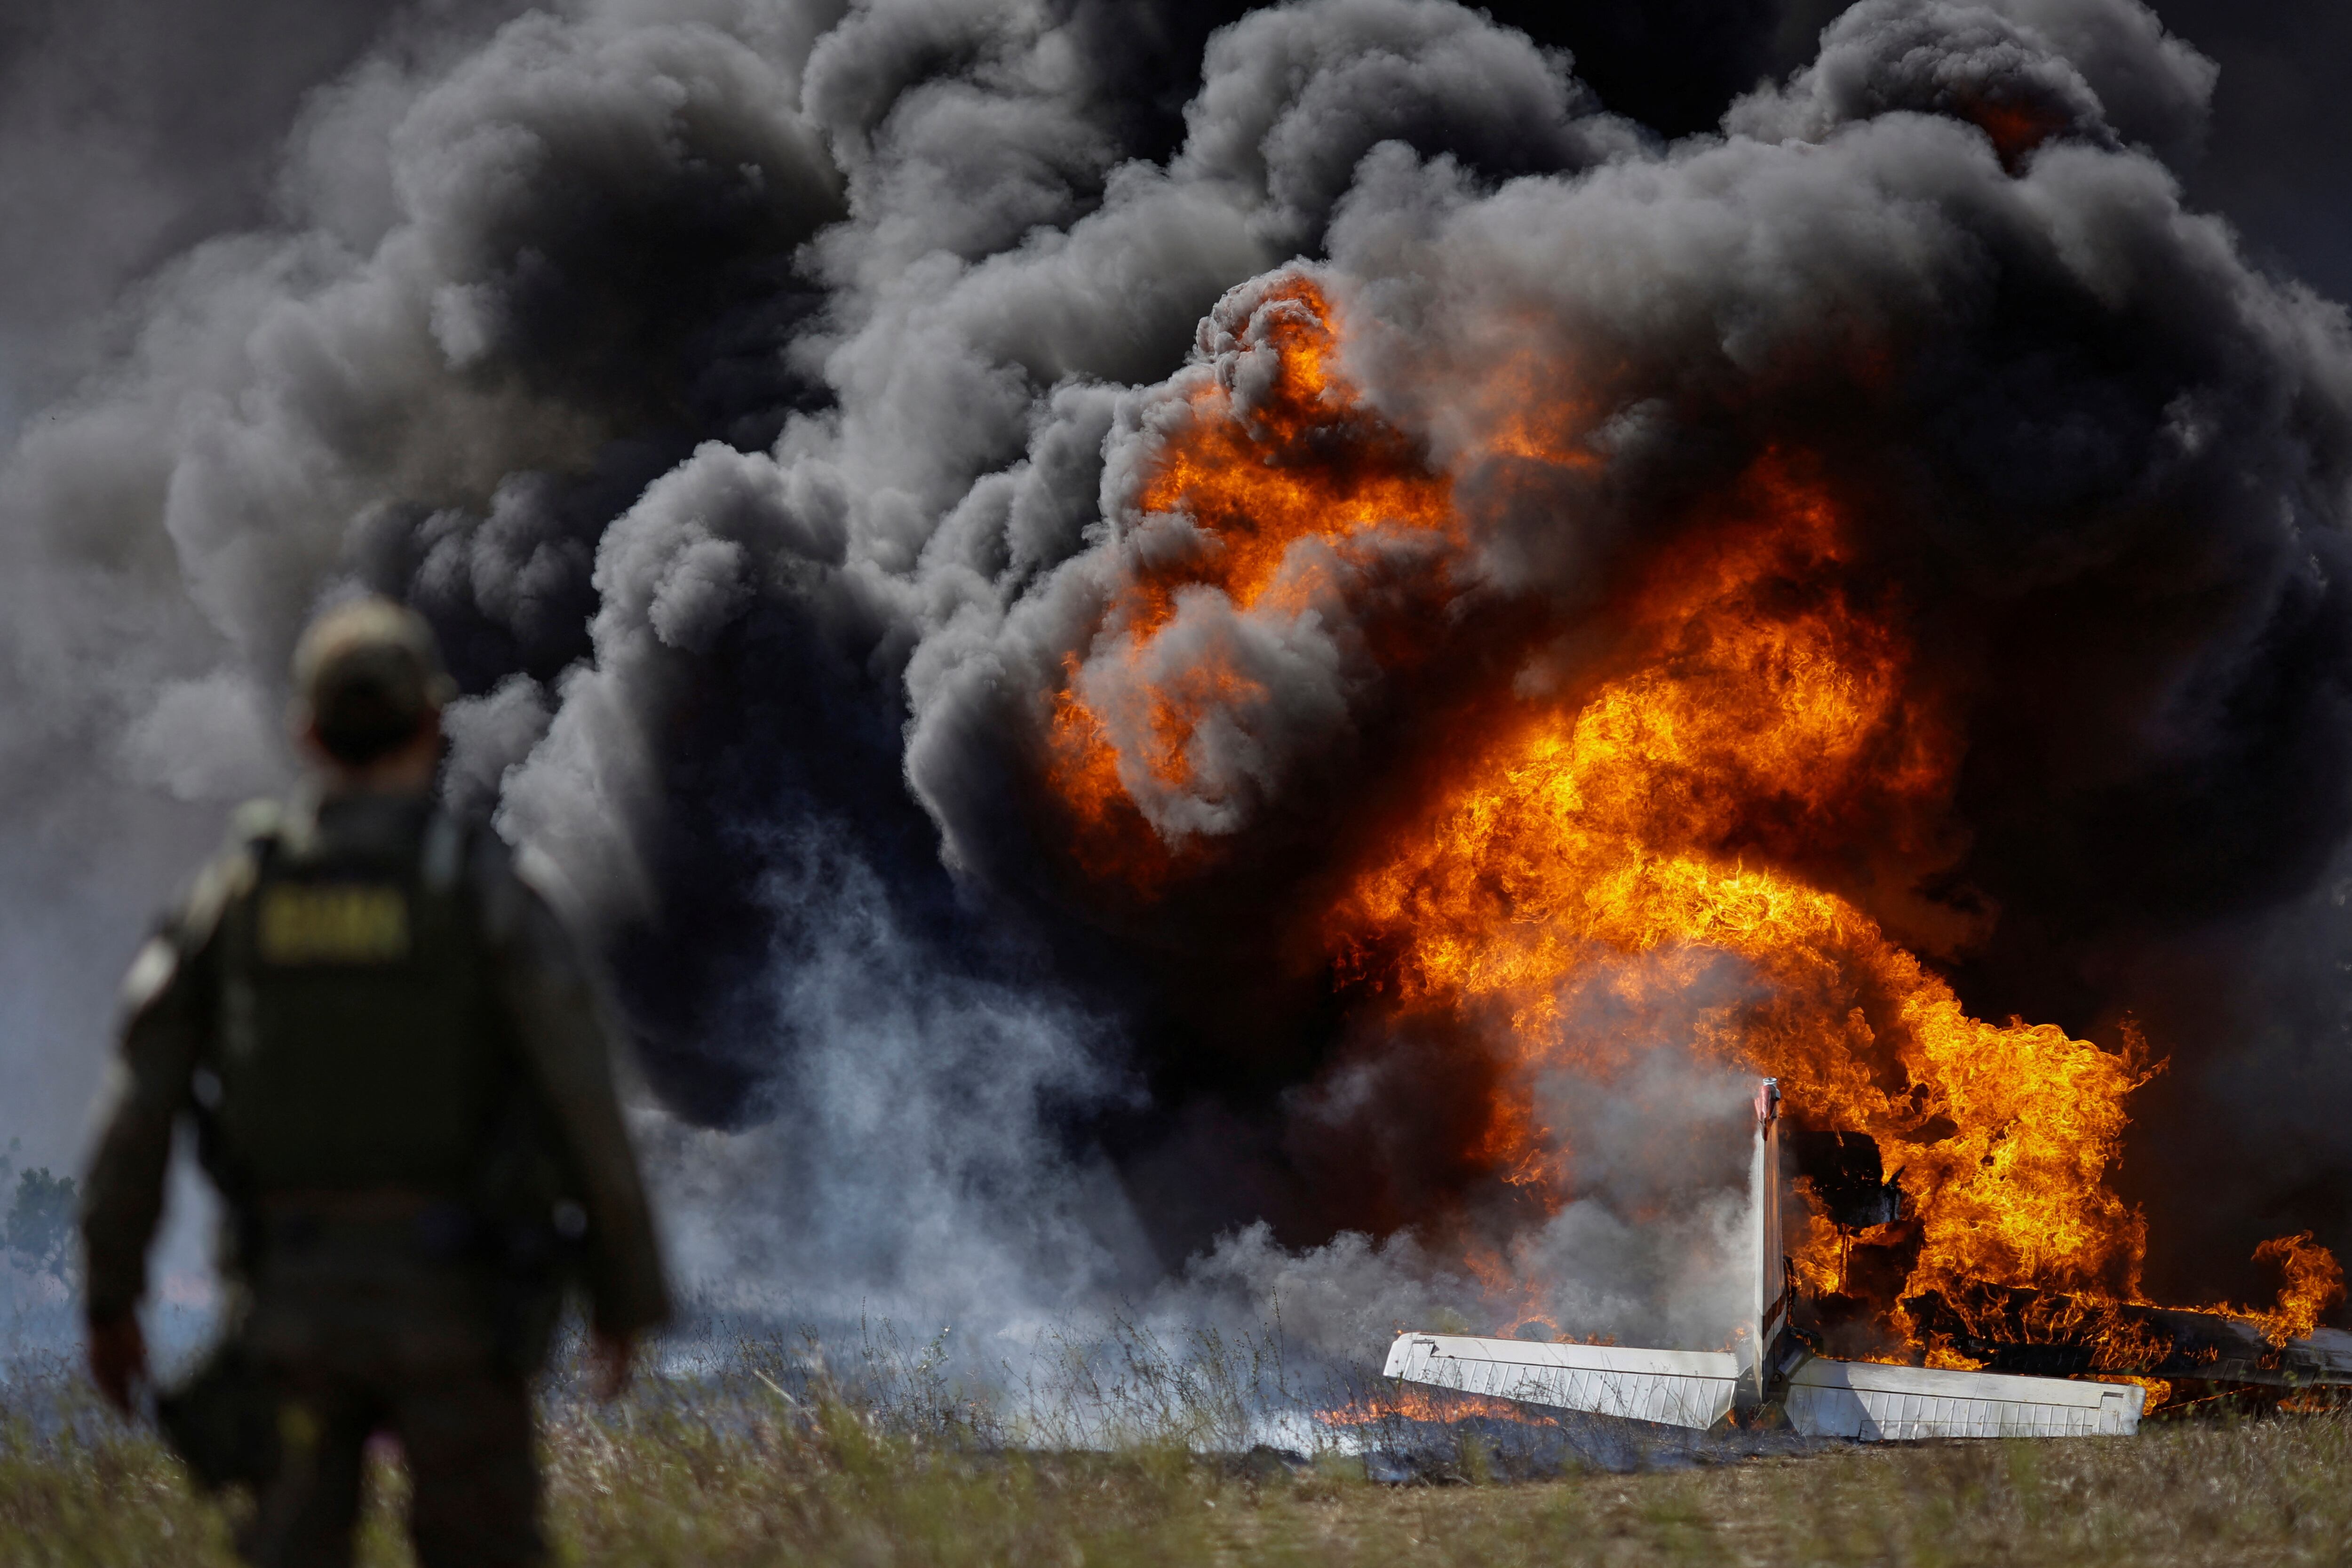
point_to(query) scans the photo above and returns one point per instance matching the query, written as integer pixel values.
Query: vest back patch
(333, 923)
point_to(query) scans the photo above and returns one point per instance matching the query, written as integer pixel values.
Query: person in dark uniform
(400, 1079)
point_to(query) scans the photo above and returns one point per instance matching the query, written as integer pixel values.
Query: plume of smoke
(2267, 163)
(759, 398)
(909, 1166)
(126, 136)
(1655, 1249)
(1935, 254)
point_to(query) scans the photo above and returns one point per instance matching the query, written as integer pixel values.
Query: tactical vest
(359, 1045)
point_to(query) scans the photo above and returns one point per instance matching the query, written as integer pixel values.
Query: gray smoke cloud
(761, 397)
(128, 133)
(2269, 161)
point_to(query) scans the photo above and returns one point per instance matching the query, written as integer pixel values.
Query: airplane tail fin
(1770, 1323)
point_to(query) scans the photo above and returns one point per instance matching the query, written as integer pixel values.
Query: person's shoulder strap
(261, 832)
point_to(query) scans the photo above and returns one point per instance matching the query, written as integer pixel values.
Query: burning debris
(1773, 1373)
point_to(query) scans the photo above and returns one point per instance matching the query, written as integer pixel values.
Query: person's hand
(611, 1358)
(118, 1359)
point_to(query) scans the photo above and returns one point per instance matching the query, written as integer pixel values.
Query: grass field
(682, 1475)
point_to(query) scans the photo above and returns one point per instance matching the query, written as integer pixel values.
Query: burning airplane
(1773, 1371)
(1690, 812)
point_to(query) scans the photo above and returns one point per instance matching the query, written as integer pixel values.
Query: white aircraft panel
(1677, 1388)
(1894, 1403)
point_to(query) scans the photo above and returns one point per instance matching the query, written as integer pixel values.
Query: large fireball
(1738, 750)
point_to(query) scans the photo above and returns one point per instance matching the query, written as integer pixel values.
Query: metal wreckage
(1774, 1375)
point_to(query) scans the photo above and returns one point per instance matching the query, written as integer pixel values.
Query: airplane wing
(1679, 1388)
(1821, 1398)
(1861, 1399)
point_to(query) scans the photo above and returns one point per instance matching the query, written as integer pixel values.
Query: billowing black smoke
(756, 396)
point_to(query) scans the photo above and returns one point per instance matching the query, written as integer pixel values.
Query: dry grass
(702, 1475)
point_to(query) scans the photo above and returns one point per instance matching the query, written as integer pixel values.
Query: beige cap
(368, 673)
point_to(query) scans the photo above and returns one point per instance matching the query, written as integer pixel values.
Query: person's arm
(166, 1011)
(553, 1003)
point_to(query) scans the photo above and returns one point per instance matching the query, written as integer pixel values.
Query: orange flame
(1436, 1405)
(2315, 1283)
(1704, 836)
(1763, 714)
(1266, 499)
